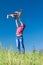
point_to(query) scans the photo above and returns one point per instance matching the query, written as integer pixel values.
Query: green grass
(9, 57)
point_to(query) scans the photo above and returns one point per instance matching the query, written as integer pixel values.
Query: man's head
(20, 11)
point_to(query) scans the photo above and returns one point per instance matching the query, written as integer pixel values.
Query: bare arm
(12, 15)
(16, 23)
(21, 22)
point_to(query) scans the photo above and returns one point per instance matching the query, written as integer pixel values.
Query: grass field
(9, 57)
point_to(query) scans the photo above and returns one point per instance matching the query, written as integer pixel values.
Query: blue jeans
(20, 45)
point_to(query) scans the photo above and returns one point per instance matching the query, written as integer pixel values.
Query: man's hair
(20, 10)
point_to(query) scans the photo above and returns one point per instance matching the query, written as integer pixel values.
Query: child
(20, 29)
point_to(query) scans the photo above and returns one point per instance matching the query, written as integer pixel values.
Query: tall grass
(9, 57)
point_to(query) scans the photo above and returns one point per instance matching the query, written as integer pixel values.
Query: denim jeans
(19, 43)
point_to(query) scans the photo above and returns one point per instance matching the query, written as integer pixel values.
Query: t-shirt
(20, 30)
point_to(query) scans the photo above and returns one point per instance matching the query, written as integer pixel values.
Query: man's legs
(18, 43)
(22, 45)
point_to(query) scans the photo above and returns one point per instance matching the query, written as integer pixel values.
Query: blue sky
(32, 16)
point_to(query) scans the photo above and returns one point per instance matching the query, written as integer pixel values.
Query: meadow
(10, 57)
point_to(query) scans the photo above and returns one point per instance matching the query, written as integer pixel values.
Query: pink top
(20, 30)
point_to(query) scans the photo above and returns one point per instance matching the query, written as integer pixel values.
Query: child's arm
(15, 16)
(12, 15)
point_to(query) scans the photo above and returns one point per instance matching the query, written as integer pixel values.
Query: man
(20, 29)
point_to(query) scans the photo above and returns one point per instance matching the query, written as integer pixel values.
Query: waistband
(19, 35)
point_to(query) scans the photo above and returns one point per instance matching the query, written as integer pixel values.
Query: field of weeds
(9, 57)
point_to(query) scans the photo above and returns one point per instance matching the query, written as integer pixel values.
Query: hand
(7, 16)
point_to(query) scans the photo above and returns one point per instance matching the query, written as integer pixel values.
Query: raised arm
(16, 21)
(21, 21)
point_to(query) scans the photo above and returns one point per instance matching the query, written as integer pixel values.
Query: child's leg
(22, 45)
(18, 44)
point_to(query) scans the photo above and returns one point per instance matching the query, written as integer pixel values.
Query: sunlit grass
(9, 57)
